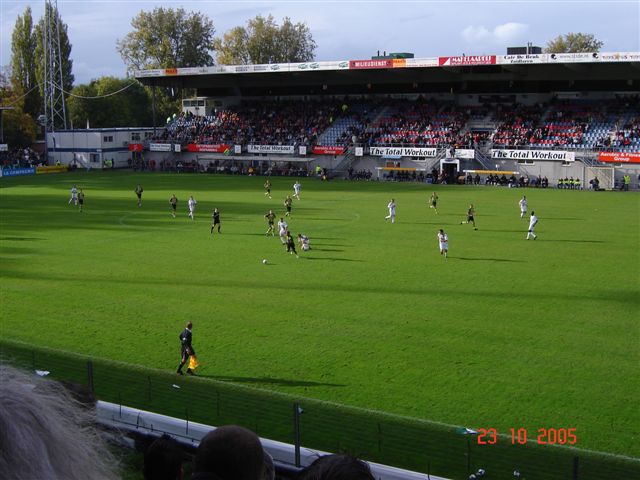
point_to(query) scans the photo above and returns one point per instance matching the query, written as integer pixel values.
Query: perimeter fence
(400, 442)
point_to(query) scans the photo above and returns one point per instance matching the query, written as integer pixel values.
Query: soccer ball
(264, 261)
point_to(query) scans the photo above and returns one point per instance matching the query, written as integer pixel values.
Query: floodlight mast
(54, 102)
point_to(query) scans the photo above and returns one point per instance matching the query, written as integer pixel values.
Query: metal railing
(407, 443)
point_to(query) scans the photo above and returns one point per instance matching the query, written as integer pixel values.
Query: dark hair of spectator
(163, 460)
(229, 453)
(337, 467)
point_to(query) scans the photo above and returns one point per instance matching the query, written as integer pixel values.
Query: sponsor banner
(261, 68)
(52, 169)
(4, 147)
(170, 71)
(359, 151)
(160, 147)
(205, 148)
(287, 149)
(310, 66)
(470, 60)
(465, 153)
(421, 62)
(619, 157)
(18, 172)
(554, 155)
(399, 62)
(204, 70)
(157, 72)
(177, 147)
(362, 64)
(573, 57)
(302, 150)
(237, 149)
(320, 150)
(135, 147)
(521, 59)
(619, 57)
(402, 152)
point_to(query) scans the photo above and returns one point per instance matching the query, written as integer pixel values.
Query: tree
(129, 108)
(264, 41)
(23, 63)
(65, 50)
(574, 43)
(167, 38)
(19, 129)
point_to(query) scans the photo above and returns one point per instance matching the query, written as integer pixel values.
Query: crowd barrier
(406, 443)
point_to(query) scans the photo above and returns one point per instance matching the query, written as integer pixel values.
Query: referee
(186, 349)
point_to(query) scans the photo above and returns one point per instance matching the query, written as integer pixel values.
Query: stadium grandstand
(536, 114)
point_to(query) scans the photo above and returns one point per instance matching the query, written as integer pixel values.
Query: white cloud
(501, 34)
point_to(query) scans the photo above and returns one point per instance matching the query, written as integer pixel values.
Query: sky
(350, 30)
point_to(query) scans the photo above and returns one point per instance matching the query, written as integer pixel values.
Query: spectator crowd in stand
(417, 122)
(21, 158)
(255, 122)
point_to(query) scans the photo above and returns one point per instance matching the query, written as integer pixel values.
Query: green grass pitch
(506, 333)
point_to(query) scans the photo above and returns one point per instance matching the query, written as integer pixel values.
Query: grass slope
(506, 334)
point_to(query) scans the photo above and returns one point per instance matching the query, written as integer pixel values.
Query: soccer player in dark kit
(291, 244)
(139, 191)
(215, 220)
(174, 204)
(270, 216)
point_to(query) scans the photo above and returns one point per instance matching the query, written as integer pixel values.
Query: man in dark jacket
(186, 349)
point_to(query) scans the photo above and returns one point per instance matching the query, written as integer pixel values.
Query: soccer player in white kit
(192, 206)
(443, 240)
(392, 211)
(74, 196)
(282, 230)
(533, 221)
(296, 190)
(523, 206)
(303, 241)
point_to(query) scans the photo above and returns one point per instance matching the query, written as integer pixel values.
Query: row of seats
(380, 122)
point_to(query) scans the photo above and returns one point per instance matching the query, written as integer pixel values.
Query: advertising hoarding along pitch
(402, 151)
(328, 150)
(18, 172)
(553, 155)
(208, 148)
(619, 157)
(286, 149)
(160, 147)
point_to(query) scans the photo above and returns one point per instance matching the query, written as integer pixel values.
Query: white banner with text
(402, 152)
(553, 155)
(287, 149)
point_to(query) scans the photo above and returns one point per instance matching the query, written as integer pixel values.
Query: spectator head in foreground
(45, 433)
(229, 453)
(337, 467)
(163, 460)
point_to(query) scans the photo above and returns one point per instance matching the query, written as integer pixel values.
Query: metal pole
(576, 462)
(153, 108)
(468, 455)
(296, 432)
(90, 375)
